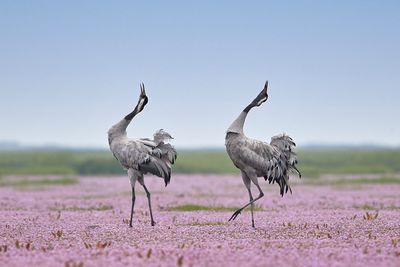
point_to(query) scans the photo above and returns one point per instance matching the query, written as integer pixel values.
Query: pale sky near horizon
(70, 69)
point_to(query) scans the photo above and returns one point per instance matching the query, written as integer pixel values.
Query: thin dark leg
(252, 208)
(149, 201)
(133, 204)
(236, 213)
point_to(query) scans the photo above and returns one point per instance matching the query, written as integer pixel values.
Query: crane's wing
(157, 167)
(162, 157)
(148, 142)
(268, 160)
(258, 155)
(130, 153)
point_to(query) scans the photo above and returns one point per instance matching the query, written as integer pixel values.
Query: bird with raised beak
(142, 156)
(274, 161)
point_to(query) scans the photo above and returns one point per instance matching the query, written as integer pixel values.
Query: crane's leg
(251, 207)
(133, 205)
(247, 182)
(132, 179)
(141, 181)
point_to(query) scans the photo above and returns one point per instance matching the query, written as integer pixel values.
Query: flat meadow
(67, 215)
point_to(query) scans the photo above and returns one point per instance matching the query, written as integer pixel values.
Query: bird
(142, 156)
(274, 161)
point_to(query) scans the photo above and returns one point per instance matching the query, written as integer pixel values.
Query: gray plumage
(142, 156)
(273, 161)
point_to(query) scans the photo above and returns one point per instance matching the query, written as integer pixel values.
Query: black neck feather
(247, 109)
(130, 116)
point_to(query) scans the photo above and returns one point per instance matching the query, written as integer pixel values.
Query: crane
(254, 158)
(142, 156)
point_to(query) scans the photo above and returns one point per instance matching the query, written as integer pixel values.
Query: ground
(84, 222)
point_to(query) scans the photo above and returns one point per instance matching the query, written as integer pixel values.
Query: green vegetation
(38, 182)
(194, 207)
(204, 162)
(58, 162)
(312, 163)
(344, 161)
(91, 208)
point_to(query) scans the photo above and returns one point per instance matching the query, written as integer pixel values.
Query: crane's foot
(234, 215)
(252, 224)
(153, 223)
(130, 225)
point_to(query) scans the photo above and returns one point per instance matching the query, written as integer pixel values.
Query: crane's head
(142, 99)
(262, 96)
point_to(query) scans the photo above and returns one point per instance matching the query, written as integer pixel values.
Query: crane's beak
(266, 88)
(263, 95)
(142, 99)
(142, 90)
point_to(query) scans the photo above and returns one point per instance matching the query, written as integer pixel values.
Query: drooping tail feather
(162, 157)
(157, 167)
(285, 164)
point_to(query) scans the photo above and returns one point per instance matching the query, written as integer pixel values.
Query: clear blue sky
(70, 69)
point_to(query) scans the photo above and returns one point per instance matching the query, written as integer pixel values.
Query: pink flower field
(86, 224)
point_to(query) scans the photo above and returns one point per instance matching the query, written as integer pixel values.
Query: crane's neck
(237, 125)
(247, 109)
(119, 129)
(123, 124)
(130, 116)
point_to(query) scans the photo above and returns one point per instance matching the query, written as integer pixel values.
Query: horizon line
(15, 145)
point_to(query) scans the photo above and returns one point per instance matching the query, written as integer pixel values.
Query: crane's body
(273, 161)
(141, 156)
